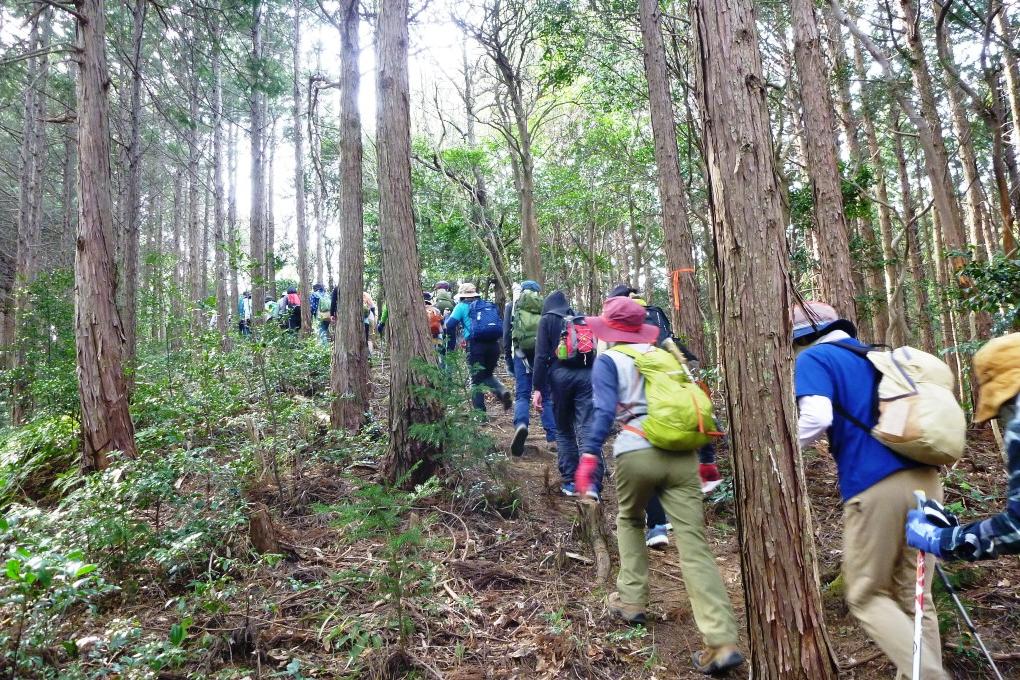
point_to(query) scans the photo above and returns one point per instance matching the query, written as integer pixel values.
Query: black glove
(935, 513)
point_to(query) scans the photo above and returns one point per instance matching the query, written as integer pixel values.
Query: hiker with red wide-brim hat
(645, 390)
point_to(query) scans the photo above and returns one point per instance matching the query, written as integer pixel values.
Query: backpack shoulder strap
(859, 350)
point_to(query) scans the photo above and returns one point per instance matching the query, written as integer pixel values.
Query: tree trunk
(836, 272)
(64, 257)
(408, 458)
(232, 237)
(679, 242)
(194, 239)
(257, 215)
(132, 225)
(785, 618)
(1008, 35)
(304, 285)
(105, 419)
(179, 273)
(219, 242)
(349, 380)
(271, 213)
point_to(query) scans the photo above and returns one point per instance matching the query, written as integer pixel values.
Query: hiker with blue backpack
(483, 330)
(520, 333)
(564, 354)
(837, 389)
(664, 417)
(244, 314)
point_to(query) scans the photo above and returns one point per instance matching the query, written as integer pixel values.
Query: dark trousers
(573, 409)
(483, 355)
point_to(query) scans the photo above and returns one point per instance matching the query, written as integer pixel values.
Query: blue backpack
(486, 323)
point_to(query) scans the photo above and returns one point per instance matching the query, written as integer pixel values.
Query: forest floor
(485, 574)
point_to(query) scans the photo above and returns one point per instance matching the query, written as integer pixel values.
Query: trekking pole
(966, 619)
(918, 600)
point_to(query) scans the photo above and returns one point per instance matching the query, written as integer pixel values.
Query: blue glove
(922, 534)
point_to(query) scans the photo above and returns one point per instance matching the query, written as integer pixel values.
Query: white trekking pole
(919, 600)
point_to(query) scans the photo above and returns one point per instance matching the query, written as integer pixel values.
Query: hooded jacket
(549, 330)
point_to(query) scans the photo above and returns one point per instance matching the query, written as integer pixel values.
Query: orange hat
(997, 371)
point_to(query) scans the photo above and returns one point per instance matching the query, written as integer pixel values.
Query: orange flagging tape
(676, 285)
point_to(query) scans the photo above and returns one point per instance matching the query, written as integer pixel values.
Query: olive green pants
(674, 476)
(880, 570)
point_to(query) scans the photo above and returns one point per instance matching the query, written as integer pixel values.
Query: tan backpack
(918, 416)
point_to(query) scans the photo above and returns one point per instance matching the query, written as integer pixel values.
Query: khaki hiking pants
(880, 570)
(674, 476)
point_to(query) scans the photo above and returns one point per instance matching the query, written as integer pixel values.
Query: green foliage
(33, 457)
(995, 289)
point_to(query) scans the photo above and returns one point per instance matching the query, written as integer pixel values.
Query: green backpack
(444, 301)
(527, 314)
(679, 412)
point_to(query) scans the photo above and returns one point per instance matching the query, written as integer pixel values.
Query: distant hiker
(269, 307)
(244, 314)
(384, 318)
(289, 311)
(520, 332)
(443, 299)
(564, 354)
(836, 391)
(434, 318)
(635, 383)
(997, 372)
(483, 330)
(322, 305)
(657, 535)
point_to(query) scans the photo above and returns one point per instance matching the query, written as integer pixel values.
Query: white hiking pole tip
(918, 599)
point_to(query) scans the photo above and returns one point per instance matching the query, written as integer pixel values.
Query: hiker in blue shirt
(835, 387)
(483, 329)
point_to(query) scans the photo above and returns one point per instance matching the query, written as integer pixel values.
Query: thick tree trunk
(836, 272)
(408, 458)
(676, 228)
(219, 242)
(132, 225)
(271, 213)
(785, 618)
(1008, 34)
(105, 419)
(64, 257)
(304, 272)
(349, 380)
(257, 216)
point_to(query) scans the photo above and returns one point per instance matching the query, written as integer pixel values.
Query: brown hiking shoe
(715, 660)
(631, 613)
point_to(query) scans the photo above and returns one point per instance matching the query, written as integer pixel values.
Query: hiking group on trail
(890, 416)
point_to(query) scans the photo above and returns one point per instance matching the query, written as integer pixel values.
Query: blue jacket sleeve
(604, 387)
(998, 535)
(546, 339)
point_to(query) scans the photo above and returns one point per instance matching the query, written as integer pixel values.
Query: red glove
(709, 472)
(585, 471)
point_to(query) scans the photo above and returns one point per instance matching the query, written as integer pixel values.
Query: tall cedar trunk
(320, 228)
(194, 238)
(894, 326)
(305, 286)
(676, 228)
(257, 215)
(879, 278)
(270, 264)
(836, 275)
(929, 129)
(219, 243)
(1008, 35)
(349, 379)
(105, 419)
(232, 237)
(132, 225)
(30, 198)
(177, 296)
(68, 202)
(785, 618)
(407, 456)
(155, 275)
(207, 204)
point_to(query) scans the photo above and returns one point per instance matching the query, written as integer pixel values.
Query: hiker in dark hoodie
(563, 369)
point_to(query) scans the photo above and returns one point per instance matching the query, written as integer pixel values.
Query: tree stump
(593, 528)
(261, 531)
